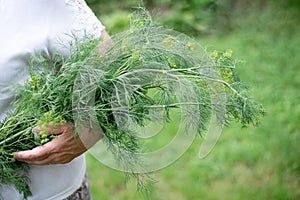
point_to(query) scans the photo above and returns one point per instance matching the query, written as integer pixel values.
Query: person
(57, 169)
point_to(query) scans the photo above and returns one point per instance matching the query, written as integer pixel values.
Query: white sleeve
(71, 18)
(84, 18)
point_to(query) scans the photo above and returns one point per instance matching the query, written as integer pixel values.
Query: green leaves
(45, 98)
(144, 73)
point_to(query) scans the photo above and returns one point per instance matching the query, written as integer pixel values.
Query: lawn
(247, 163)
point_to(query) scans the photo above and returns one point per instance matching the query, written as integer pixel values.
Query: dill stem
(14, 136)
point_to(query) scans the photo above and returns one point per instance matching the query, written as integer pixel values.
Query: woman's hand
(106, 42)
(59, 150)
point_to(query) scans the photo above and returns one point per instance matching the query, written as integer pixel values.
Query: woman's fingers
(51, 129)
(59, 150)
(36, 154)
(62, 149)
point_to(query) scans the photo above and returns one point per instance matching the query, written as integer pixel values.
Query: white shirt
(26, 27)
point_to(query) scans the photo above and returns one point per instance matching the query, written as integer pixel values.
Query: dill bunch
(141, 72)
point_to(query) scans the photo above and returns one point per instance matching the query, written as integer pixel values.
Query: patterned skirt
(83, 192)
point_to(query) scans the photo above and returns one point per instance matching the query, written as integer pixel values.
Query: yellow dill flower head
(191, 46)
(229, 53)
(136, 54)
(215, 54)
(35, 82)
(170, 42)
(172, 62)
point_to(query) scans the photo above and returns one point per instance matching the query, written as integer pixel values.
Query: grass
(252, 163)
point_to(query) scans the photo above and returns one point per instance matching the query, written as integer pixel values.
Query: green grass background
(246, 163)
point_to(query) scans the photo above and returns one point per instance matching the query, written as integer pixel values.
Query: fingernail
(17, 155)
(36, 129)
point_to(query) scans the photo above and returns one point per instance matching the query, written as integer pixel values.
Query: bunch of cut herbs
(144, 68)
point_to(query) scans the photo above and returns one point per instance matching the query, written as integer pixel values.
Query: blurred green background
(246, 163)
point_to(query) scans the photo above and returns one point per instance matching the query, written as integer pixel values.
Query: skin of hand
(66, 146)
(105, 36)
(106, 42)
(60, 150)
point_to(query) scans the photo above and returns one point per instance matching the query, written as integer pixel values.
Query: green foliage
(143, 68)
(185, 16)
(116, 22)
(193, 17)
(261, 163)
(246, 107)
(45, 97)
